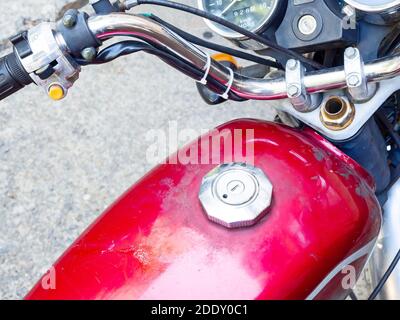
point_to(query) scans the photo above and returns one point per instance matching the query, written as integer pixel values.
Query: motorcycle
(293, 209)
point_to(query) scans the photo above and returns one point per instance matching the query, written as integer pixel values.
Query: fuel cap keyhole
(236, 187)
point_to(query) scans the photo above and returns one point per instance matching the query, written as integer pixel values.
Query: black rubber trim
(17, 70)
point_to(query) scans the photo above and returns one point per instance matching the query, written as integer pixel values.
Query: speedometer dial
(252, 15)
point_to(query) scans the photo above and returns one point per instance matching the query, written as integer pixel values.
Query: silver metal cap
(236, 195)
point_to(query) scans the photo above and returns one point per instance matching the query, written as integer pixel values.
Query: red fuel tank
(156, 242)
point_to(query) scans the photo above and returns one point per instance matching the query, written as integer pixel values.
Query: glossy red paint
(156, 242)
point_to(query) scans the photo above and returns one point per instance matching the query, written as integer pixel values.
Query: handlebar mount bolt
(293, 91)
(351, 53)
(89, 53)
(292, 64)
(354, 80)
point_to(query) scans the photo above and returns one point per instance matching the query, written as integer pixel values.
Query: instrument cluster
(252, 15)
(299, 24)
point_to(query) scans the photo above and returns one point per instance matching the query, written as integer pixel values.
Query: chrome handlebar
(48, 45)
(247, 88)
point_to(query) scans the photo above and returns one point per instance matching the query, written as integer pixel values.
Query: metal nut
(236, 195)
(293, 91)
(354, 80)
(337, 112)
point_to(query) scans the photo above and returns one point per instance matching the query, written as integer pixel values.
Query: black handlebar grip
(13, 76)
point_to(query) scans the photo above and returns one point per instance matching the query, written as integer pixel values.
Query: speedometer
(252, 15)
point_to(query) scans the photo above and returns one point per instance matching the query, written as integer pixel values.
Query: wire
(126, 47)
(234, 27)
(389, 127)
(386, 276)
(352, 295)
(216, 47)
(115, 51)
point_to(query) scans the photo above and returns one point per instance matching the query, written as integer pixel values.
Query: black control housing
(78, 36)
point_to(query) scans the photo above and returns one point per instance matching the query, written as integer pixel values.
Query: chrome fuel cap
(236, 195)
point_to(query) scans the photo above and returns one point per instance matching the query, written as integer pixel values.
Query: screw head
(351, 53)
(293, 91)
(236, 195)
(89, 53)
(291, 64)
(69, 20)
(354, 80)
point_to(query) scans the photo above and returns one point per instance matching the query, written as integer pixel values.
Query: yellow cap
(56, 92)
(225, 57)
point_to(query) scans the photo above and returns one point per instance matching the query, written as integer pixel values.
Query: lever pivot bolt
(89, 53)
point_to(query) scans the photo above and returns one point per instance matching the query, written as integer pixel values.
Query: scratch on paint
(318, 154)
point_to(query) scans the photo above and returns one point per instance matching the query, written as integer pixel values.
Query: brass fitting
(337, 112)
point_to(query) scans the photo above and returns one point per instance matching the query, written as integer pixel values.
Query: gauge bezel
(373, 8)
(233, 34)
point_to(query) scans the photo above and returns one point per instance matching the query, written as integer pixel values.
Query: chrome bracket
(49, 63)
(356, 81)
(296, 90)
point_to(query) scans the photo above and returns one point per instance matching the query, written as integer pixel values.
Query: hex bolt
(69, 19)
(292, 64)
(89, 53)
(354, 80)
(293, 91)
